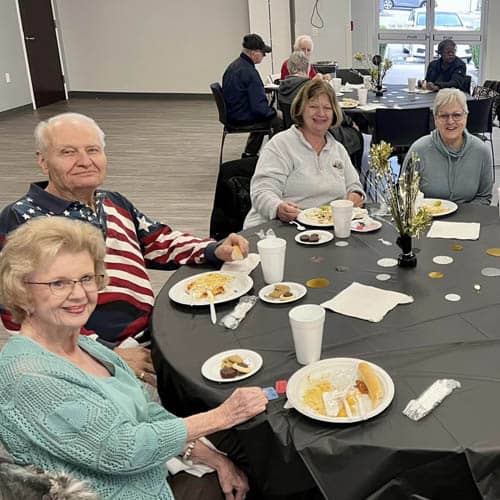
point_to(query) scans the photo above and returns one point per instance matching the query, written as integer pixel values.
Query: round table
(452, 453)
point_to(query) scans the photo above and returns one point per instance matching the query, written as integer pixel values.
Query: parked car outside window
(444, 21)
(401, 4)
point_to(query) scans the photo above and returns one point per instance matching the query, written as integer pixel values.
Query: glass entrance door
(408, 32)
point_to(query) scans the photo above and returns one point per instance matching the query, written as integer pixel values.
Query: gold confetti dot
(457, 248)
(495, 252)
(318, 283)
(436, 275)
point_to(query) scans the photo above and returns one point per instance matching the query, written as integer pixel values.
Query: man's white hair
(42, 130)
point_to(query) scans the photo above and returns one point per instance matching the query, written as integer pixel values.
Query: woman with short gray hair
(454, 164)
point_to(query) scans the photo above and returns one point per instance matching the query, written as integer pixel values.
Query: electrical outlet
(7, 77)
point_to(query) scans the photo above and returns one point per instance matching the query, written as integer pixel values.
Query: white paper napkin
(245, 266)
(454, 230)
(366, 302)
(176, 464)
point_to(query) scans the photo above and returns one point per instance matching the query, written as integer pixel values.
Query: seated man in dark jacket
(447, 71)
(244, 93)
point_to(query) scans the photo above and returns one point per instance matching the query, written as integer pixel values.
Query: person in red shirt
(303, 43)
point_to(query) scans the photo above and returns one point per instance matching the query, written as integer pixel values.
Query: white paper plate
(447, 206)
(370, 225)
(297, 289)
(324, 237)
(211, 367)
(307, 216)
(336, 367)
(240, 285)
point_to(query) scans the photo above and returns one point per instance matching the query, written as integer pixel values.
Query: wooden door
(42, 51)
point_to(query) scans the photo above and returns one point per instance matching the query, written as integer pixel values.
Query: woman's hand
(139, 361)
(233, 481)
(287, 211)
(242, 404)
(356, 198)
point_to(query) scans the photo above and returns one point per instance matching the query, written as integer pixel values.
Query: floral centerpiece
(378, 68)
(400, 196)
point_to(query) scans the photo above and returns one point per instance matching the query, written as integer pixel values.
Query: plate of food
(232, 365)
(223, 286)
(340, 390)
(322, 216)
(437, 207)
(278, 293)
(313, 237)
(348, 102)
(365, 225)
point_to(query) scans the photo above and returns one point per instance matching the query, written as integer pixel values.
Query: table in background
(394, 97)
(446, 454)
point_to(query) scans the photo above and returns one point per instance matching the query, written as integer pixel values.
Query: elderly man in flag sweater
(70, 151)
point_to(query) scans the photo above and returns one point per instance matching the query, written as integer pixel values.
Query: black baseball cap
(255, 42)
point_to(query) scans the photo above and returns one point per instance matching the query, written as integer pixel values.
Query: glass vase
(407, 258)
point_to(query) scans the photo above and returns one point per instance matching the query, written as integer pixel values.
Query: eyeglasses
(63, 288)
(456, 117)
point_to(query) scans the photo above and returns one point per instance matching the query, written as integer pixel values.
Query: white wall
(12, 60)
(492, 65)
(271, 20)
(333, 42)
(150, 45)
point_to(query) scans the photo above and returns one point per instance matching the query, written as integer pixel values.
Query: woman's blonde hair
(31, 246)
(312, 90)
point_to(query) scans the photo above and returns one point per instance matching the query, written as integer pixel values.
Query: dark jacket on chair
(452, 76)
(244, 93)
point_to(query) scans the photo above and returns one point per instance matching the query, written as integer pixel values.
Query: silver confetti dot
(383, 277)
(341, 243)
(453, 297)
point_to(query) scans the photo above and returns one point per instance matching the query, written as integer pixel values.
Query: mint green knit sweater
(103, 430)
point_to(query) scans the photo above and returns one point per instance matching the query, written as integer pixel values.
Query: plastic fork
(213, 315)
(300, 227)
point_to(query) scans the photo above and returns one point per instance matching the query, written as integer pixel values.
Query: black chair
(232, 197)
(349, 75)
(495, 86)
(401, 128)
(263, 127)
(468, 83)
(480, 121)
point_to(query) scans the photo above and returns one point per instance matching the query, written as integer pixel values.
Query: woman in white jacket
(304, 166)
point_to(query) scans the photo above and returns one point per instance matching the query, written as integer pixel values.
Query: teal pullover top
(462, 176)
(102, 430)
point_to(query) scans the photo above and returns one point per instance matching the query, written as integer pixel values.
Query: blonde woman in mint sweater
(454, 164)
(68, 403)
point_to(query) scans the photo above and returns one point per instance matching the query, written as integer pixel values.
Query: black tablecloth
(452, 453)
(395, 96)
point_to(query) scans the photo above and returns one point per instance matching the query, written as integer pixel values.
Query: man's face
(74, 160)
(448, 54)
(258, 55)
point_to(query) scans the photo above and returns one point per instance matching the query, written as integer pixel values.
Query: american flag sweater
(134, 242)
